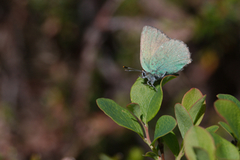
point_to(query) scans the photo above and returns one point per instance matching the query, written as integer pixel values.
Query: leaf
(172, 142)
(119, 115)
(198, 137)
(212, 129)
(135, 110)
(226, 128)
(201, 154)
(194, 102)
(191, 97)
(183, 119)
(229, 97)
(148, 99)
(225, 149)
(152, 155)
(197, 110)
(165, 124)
(231, 113)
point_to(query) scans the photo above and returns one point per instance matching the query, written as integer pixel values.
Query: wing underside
(151, 40)
(170, 58)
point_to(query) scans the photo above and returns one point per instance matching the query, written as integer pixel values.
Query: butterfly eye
(143, 74)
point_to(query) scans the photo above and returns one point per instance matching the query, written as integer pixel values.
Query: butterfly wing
(170, 58)
(151, 39)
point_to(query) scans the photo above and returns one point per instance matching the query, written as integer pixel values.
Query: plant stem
(161, 147)
(181, 153)
(162, 157)
(147, 136)
(149, 142)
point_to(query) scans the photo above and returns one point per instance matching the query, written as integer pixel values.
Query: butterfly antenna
(131, 69)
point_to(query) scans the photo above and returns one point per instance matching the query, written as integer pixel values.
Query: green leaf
(201, 154)
(183, 119)
(231, 113)
(194, 102)
(148, 99)
(152, 155)
(172, 142)
(226, 128)
(197, 110)
(212, 129)
(191, 97)
(135, 109)
(165, 124)
(229, 97)
(225, 149)
(119, 115)
(198, 137)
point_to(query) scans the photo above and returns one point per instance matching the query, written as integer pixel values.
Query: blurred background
(58, 56)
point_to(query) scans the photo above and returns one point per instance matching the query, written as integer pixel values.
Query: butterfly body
(151, 77)
(161, 55)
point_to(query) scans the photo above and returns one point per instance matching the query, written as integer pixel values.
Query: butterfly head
(151, 78)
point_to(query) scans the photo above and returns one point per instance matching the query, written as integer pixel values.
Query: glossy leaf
(148, 99)
(198, 137)
(184, 120)
(119, 115)
(165, 124)
(231, 113)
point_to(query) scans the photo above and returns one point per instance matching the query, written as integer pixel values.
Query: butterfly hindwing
(170, 58)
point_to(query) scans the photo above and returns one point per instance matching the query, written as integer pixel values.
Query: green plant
(198, 143)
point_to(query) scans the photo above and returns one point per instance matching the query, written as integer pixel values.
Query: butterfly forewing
(170, 58)
(151, 40)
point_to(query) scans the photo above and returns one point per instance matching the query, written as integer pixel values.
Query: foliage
(59, 56)
(198, 143)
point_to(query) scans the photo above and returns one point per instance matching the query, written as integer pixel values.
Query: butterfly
(160, 55)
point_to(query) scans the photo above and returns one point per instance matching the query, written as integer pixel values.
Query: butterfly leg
(154, 87)
(164, 74)
(148, 83)
(151, 83)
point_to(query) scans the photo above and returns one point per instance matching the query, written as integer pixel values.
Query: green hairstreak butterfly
(160, 55)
